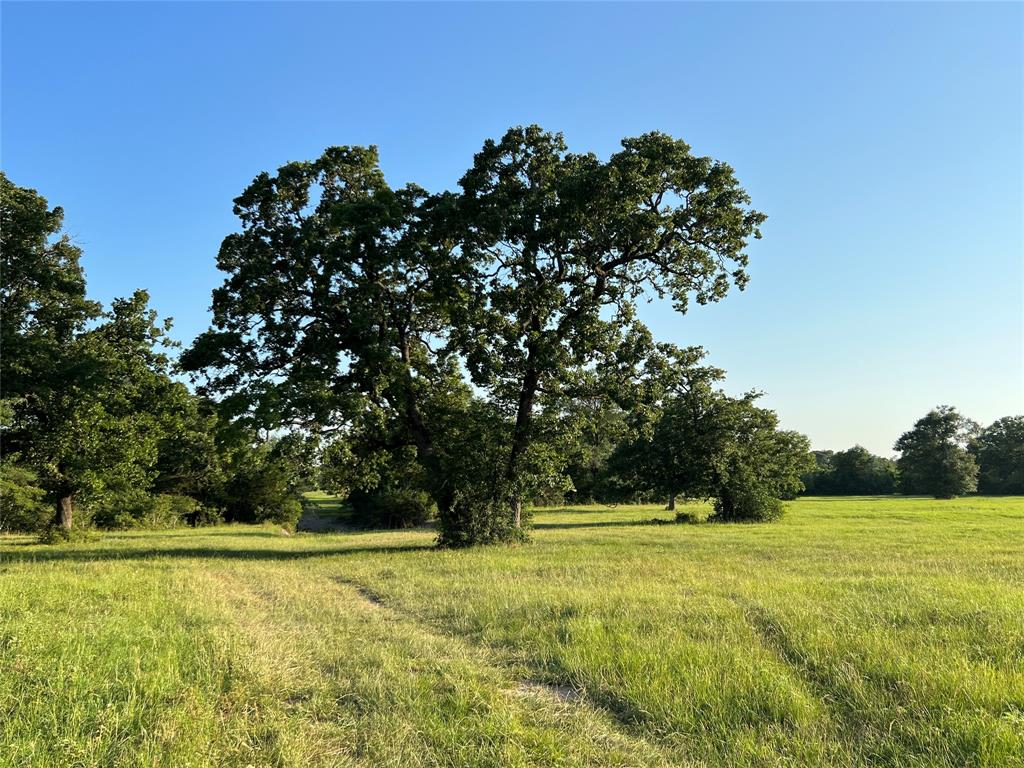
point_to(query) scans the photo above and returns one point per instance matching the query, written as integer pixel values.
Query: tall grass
(881, 631)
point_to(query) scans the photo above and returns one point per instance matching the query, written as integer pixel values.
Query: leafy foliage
(562, 246)
(756, 464)
(139, 509)
(42, 294)
(22, 507)
(88, 404)
(265, 482)
(934, 457)
(853, 472)
(392, 509)
(355, 309)
(92, 420)
(999, 452)
(707, 445)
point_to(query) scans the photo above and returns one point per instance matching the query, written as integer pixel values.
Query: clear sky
(883, 141)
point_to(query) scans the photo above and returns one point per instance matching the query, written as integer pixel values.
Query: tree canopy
(934, 458)
(999, 453)
(91, 412)
(403, 320)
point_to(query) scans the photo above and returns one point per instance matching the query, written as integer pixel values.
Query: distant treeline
(943, 455)
(997, 453)
(853, 472)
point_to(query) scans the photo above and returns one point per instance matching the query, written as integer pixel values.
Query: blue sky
(883, 141)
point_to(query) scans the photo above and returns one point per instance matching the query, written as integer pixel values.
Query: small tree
(999, 452)
(90, 406)
(757, 465)
(99, 428)
(934, 458)
(708, 445)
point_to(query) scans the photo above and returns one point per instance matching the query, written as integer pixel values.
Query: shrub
(22, 507)
(285, 512)
(472, 520)
(392, 509)
(58, 534)
(117, 511)
(746, 502)
(688, 516)
(205, 515)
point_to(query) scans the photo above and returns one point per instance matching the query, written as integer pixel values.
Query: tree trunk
(521, 438)
(65, 512)
(422, 437)
(671, 502)
(524, 421)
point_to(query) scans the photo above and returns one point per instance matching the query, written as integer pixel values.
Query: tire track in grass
(867, 741)
(550, 681)
(773, 637)
(887, 733)
(560, 693)
(361, 683)
(552, 695)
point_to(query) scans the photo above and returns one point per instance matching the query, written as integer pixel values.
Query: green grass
(882, 632)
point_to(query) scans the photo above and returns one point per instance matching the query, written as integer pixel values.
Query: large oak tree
(564, 245)
(354, 308)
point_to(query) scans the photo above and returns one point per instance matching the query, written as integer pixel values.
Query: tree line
(453, 355)
(943, 455)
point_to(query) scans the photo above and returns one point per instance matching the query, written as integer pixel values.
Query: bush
(58, 534)
(117, 511)
(205, 515)
(22, 506)
(392, 509)
(688, 516)
(168, 510)
(285, 512)
(472, 520)
(746, 503)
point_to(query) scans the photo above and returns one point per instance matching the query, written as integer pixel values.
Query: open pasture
(859, 631)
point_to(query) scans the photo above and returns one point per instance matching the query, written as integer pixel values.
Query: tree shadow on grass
(602, 524)
(61, 554)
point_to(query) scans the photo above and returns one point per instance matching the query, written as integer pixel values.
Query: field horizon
(856, 631)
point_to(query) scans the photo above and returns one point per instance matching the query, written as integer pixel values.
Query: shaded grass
(882, 631)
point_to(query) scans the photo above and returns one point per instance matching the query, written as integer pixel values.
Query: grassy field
(883, 632)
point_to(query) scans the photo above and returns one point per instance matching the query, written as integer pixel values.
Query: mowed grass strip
(363, 685)
(855, 632)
